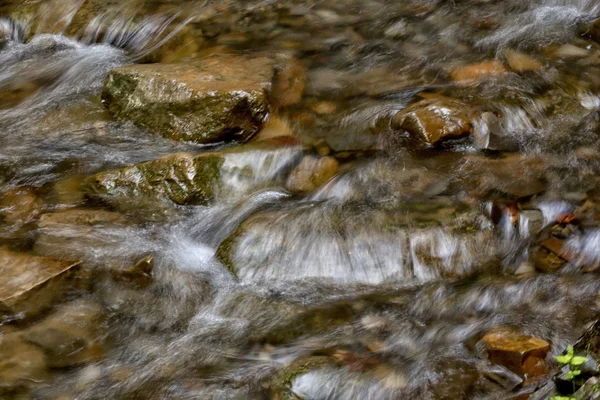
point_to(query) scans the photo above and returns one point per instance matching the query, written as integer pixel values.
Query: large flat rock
(30, 283)
(220, 98)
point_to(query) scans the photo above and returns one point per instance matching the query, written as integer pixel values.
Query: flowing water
(386, 277)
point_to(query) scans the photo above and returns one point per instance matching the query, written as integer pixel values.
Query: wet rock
(20, 206)
(283, 386)
(514, 176)
(521, 62)
(532, 221)
(67, 191)
(489, 135)
(69, 336)
(30, 284)
(22, 365)
(219, 98)
(552, 255)
(595, 30)
(429, 241)
(139, 275)
(431, 122)
(475, 72)
(547, 261)
(185, 178)
(312, 173)
(182, 178)
(72, 233)
(276, 127)
(522, 354)
(288, 84)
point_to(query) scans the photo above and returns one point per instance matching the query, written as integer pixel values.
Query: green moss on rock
(220, 98)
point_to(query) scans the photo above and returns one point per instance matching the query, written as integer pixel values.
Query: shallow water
(390, 272)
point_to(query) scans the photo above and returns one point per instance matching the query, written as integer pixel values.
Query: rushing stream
(379, 280)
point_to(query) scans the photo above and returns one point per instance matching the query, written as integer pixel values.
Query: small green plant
(574, 362)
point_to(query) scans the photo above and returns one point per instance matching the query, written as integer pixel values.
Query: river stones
(185, 178)
(22, 365)
(182, 178)
(521, 62)
(72, 233)
(406, 242)
(433, 121)
(19, 206)
(312, 173)
(30, 284)
(219, 98)
(475, 72)
(69, 336)
(522, 354)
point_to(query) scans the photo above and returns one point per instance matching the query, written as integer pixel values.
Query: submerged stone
(20, 205)
(69, 336)
(475, 72)
(312, 173)
(521, 62)
(401, 243)
(30, 284)
(72, 233)
(219, 98)
(22, 365)
(433, 121)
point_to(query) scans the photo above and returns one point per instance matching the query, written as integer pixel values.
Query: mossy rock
(282, 386)
(217, 99)
(181, 178)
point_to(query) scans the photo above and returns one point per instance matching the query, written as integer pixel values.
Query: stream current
(389, 274)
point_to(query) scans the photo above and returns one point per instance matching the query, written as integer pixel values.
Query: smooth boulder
(219, 98)
(431, 122)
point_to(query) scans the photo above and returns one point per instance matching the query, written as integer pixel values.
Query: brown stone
(275, 127)
(324, 107)
(218, 98)
(547, 261)
(474, 72)
(430, 122)
(71, 233)
(515, 176)
(288, 84)
(312, 173)
(30, 284)
(595, 30)
(520, 62)
(519, 353)
(138, 275)
(556, 246)
(69, 336)
(22, 364)
(20, 205)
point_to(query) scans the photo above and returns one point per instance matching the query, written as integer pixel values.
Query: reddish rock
(432, 121)
(475, 72)
(522, 354)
